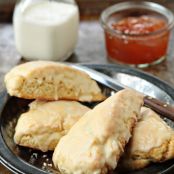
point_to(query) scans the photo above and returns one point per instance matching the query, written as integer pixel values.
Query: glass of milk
(46, 29)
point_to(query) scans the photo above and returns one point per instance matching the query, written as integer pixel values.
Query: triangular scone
(94, 144)
(152, 141)
(46, 122)
(51, 81)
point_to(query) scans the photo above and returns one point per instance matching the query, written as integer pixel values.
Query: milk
(46, 30)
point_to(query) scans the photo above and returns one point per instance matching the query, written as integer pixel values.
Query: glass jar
(46, 29)
(137, 33)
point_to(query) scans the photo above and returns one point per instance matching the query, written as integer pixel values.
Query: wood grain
(90, 8)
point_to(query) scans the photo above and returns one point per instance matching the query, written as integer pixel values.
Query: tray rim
(166, 86)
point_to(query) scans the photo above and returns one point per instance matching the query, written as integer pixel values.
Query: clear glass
(139, 50)
(46, 29)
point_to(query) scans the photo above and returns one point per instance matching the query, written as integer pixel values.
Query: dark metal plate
(24, 160)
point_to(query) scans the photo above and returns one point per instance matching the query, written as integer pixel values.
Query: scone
(94, 144)
(46, 122)
(51, 81)
(152, 141)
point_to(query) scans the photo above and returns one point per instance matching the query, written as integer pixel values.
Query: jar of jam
(137, 33)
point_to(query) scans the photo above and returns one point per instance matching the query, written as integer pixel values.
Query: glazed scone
(51, 81)
(152, 141)
(46, 122)
(94, 144)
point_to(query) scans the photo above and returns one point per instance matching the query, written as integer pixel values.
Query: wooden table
(90, 49)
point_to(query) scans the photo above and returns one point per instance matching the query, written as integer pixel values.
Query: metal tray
(22, 160)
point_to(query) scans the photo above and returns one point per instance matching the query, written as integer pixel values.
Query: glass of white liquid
(46, 29)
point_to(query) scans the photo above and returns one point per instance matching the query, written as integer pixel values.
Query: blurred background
(88, 8)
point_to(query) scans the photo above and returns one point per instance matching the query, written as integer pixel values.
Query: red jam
(136, 41)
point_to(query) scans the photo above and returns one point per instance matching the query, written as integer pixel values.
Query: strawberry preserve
(136, 37)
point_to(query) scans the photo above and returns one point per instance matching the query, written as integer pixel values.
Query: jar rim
(151, 6)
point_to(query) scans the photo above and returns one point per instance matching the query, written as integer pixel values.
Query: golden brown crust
(46, 122)
(95, 143)
(51, 81)
(139, 154)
